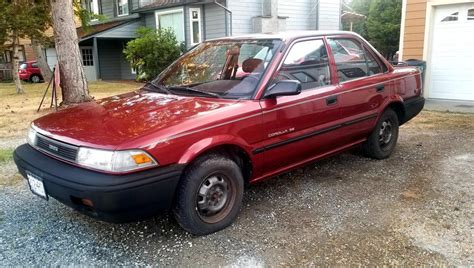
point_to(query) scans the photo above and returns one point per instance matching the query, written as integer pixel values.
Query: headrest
(251, 65)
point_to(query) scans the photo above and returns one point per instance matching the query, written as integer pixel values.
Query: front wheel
(209, 195)
(383, 138)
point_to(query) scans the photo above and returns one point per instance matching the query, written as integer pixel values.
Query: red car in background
(30, 71)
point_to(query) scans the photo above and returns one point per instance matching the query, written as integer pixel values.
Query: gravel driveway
(415, 208)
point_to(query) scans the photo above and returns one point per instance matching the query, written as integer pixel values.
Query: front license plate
(36, 185)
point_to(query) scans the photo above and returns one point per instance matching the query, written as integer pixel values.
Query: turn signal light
(141, 159)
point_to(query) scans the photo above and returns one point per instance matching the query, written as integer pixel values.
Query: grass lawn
(18, 110)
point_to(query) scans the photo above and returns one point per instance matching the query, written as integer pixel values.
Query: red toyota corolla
(230, 112)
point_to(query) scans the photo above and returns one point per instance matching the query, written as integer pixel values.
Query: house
(441, 32)
(25, 53)
(193, 21)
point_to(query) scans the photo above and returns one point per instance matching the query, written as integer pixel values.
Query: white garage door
(452, 53)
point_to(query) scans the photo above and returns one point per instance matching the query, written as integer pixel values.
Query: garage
(452, 53)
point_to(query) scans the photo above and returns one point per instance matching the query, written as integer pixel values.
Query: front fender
(209, 143)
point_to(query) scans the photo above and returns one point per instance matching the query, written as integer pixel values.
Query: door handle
(380, 87)
(331, 100)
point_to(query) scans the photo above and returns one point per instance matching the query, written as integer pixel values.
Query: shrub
(152, 51)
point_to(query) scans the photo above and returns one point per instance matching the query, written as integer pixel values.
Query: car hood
(110, 122)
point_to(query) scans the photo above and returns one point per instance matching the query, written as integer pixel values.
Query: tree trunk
(41, 60)
(15, 66)
(73, 79)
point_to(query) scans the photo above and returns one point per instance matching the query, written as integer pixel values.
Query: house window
(452, 17)
(195, 21)
(470, 14)
(87, 57)
(171, 19)
(94, 7)
(122, 7)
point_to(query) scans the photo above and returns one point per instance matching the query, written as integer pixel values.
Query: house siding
(414, 30)
(329, 15)
(242, 13)
(150, 20)
(301, 14)
(108, 7)
(123, 31)
(214, 21)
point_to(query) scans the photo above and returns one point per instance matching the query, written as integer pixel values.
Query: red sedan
(230, 112)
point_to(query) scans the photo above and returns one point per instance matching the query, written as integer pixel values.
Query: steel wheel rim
(35, 79)
(385, 133)
(215, 198)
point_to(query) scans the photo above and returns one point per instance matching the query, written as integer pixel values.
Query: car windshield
(225, 69)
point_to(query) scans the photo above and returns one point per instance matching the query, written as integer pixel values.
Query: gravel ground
(414, 208)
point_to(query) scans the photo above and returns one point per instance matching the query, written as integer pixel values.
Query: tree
(22, 19)
(383, 25)
(360, 7)
(152, 51)
(73, 79)
(38, 49)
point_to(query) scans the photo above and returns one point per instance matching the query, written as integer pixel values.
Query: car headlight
(31, 138)
(114, 161)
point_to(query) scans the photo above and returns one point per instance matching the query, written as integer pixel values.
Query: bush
(152, 51)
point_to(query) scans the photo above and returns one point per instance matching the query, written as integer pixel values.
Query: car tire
(209, 195)
(381, 142)
(35, 78)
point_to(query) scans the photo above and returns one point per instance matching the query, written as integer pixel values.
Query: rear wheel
(35, 78)
(209, 195)
(383, 138)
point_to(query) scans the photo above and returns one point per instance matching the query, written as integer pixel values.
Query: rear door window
(353, 60)
(372, 64)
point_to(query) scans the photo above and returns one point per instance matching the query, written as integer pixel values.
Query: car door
(362, 87)
(296, 128)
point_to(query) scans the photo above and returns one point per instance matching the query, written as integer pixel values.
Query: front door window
(308, 63)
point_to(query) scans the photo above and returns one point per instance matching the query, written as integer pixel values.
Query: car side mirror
(283, 88)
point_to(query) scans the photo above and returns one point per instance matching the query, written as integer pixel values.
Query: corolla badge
(52, 147)
(281, 132)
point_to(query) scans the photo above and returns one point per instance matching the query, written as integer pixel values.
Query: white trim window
(94, 7)
(172, 19)
(122, 7)
(195, 25)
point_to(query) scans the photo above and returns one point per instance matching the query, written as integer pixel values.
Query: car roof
(285, 35)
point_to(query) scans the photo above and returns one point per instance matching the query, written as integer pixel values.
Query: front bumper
(115, 198)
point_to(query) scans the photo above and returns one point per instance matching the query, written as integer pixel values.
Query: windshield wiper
(160, 87)
(193, 90)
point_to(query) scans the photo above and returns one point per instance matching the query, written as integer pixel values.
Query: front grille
(56, 148)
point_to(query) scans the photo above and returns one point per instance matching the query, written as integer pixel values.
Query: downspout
(317, 14)
(227, 11)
